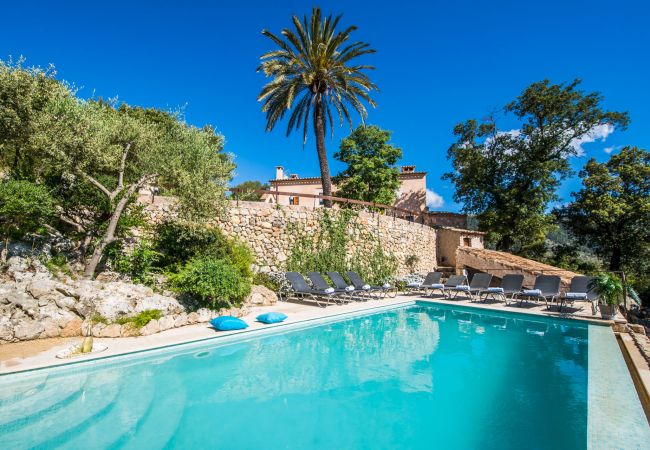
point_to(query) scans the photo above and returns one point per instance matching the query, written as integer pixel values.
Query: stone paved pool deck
(31, 355)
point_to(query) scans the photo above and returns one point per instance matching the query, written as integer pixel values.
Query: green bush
(213, 282)
(140, 319)
(264, 279)
(24, 208)
(179, 241)
(139, 265)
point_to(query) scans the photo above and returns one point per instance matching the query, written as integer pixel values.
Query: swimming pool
(413, 377)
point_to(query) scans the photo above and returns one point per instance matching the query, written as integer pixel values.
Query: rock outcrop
(34, 304)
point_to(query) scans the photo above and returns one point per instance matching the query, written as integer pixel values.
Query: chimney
(294, 176)
(408, 169)
(279, 173)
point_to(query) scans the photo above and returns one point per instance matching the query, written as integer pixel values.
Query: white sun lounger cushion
(329, 290)
(365, 287)
(349, 288)
(437, 286)
(462, 287)
(497, 290)
(386, 286)
(577, 295)
(532, 292)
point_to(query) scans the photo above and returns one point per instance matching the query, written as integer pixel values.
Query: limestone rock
(128, 330)
(151, 328)
(28, 329)
(6, 329)
(180, 320)
(51, 329)
(72, 328)
(204, 315)
(261, 296)
(167, 305)
(192, 318)
(113, 330)
(166, 322)
(97, 329)
(41, 287)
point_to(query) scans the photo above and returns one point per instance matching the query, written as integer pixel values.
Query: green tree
(25, 93)
(247, 191)
(611, 213)
(106, 152)
(314, 71)
(371, 174)
(507, 179)
(24, 208)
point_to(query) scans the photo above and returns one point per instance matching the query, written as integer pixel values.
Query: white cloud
(434, 200)
(599, 132)
(611, 149)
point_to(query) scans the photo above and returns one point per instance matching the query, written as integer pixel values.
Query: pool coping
(222, 337)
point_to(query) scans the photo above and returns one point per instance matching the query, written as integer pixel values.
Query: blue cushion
(271, 317)
(227, 323)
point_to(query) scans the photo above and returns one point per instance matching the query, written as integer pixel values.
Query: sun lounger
(431, 281)
(480, 282)
(452, 282)
(358, 283)
(301, 290)
(340, 283)
(510, 286)
(319, 282)
(547, 288)
(579, 291)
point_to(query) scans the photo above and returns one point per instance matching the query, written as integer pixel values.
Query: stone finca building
(412, 195)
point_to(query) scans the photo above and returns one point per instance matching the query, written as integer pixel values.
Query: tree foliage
(314, 72)
(246, 191)
(611, 213)
(371, 174)
(96, 155)
(508, 178)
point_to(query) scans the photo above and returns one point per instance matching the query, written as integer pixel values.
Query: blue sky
(438, 63)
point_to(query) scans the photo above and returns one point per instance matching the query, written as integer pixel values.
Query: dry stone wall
(271, 231)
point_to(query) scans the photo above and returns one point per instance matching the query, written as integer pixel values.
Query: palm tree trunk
(319, 131)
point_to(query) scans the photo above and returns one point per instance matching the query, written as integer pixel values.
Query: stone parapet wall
(271, 231)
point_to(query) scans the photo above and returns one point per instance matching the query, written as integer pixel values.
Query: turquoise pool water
(408, 378)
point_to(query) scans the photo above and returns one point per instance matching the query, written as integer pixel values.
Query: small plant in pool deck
(610, 291)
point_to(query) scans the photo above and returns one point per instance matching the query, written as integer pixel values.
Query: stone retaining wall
(270, 231)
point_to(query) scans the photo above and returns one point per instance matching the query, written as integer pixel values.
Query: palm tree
(311, 73)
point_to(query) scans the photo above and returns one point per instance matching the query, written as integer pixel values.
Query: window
(294, 200)
(467, 242)
(320, 200)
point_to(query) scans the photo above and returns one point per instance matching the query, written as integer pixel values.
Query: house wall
(451, 239)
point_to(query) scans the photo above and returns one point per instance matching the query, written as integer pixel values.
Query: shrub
(212, 281)
(140, 264)
(179, 242)
(328, 249)
(266, 280)
(141, 319)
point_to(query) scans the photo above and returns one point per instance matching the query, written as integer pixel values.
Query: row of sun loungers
(322, 293)
(547, 288)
